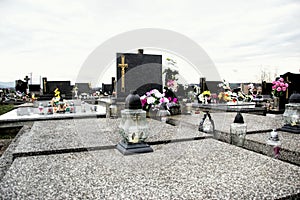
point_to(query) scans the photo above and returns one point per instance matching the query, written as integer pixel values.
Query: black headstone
(64, 87)
(34, 88)
(143, 73)
(21, 86)
(107, 88)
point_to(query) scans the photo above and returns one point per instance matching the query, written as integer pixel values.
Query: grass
(6, 108)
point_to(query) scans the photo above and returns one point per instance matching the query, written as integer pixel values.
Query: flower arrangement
(279, 87)
(172, 85)
(204, 97)
(154, 99)
(234, 96)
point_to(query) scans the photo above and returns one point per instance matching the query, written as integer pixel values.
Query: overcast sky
(54, 38)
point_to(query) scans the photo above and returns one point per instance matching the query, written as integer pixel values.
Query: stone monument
(139, 72)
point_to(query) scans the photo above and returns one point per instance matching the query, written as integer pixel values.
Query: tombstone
(83, 88)
(35, 88)
(21, 86)
(64, 87)
(203, 86)
(139, 72)
(113, 83)
(294, 82)
(107, 88)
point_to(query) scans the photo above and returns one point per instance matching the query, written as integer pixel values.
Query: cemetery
(152, 138)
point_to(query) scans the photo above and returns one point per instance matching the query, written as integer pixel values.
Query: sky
(53, 38)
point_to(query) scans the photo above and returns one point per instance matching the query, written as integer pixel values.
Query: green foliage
(6, 108)
(170, 75)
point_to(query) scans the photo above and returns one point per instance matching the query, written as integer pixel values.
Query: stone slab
(92, 132)
(23, 114)
(223, 120)
(290, 147)
(203, 169)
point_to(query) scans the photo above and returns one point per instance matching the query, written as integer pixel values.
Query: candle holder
(238, 130)
(133, 127)
(291, 115)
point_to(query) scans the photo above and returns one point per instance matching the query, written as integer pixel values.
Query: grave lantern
(163, 113)
(188, 107)
(41, 108)
(113, 109)
(291, 115)
(83, 107)
(274, 144)
(133, 127)
(238, 130)
(72, 107)
(50, 109)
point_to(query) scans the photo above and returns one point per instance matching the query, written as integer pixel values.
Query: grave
(50, 86)
(139, 72)
(77, 158)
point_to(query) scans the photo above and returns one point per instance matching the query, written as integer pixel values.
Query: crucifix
(123, 66)
(26, 79)
(44, 86)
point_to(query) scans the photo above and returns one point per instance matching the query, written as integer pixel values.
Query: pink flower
(277, 83)
(278, 89)
(281, 79)
(286, 85)
(283, 88)
(169, 98)
(175, 100)
(273, 87)
(274, 82)
(144, 101)
(282, 84)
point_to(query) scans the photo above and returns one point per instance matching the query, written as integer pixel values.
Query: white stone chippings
(206, 169)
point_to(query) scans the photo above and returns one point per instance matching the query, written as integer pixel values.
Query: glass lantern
(133, 126)
(238, 130)
(291, 115)
(41, 108)
(83, 107)
(49, 109)
(273, 144)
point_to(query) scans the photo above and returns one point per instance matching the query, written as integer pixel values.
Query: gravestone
(107, 88)
(140, 72)
(21, 86)
(35, 88)
(83, 88)
(64, 87)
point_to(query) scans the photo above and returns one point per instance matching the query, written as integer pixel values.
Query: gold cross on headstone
(123, 66)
